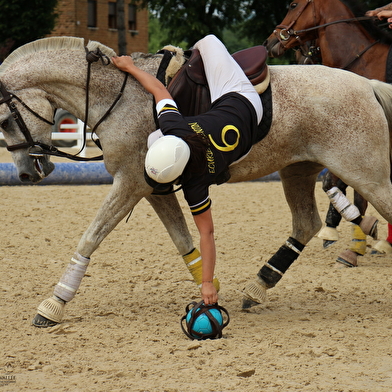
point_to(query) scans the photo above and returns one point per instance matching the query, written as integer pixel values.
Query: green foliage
(233, 41)
(159, 36)
(238, 24)
(189, 20)
(22, 21)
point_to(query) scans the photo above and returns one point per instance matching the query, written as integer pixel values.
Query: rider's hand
(209, 294)
(124, 63)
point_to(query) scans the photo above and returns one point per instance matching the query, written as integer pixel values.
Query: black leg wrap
(333, 217)
(357, 221)
(280, 262)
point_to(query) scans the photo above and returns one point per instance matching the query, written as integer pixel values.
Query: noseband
(7, 98)
(38, 149)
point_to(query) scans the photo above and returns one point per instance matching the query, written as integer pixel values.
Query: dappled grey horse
(318, 115)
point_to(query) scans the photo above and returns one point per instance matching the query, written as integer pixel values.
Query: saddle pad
(388, 71)
(265, 124)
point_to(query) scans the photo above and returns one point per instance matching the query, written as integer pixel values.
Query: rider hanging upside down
(197, 151)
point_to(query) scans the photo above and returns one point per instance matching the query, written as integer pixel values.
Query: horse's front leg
(120, 200)
(170, 213)
(298, 182)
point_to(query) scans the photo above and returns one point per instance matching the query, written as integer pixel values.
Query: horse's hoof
(328, 243)
(42, 322)
(382, 247)
(51, 309)
(255, 293)
(369, 226)
(347, 258)
(329, 235)
(248, 303)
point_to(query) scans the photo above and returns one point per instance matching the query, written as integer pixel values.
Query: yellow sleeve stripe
(204, 206)
(169, 108)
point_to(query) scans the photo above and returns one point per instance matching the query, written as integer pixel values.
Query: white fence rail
(78, 135)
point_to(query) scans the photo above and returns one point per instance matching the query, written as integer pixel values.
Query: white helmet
(166, 159)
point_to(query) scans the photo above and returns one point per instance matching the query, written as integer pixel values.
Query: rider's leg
(223, 73)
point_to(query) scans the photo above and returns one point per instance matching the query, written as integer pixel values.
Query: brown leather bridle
(286, 32)
(38, 149)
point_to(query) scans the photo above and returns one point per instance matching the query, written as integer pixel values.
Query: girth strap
(161, 76)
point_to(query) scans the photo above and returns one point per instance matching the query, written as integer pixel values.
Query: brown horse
(365, 53)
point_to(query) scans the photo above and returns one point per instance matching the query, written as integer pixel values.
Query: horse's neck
(71, 93)
(63, 79)
(348, 45)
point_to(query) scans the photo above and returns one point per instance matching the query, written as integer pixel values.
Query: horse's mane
(370, 26)
(53, 43)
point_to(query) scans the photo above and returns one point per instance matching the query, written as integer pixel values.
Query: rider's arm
(148, 81)
(205, 226)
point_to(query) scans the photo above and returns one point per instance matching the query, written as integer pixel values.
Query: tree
(122, 38)
(237, 23)
(189, 20)
(22, 21)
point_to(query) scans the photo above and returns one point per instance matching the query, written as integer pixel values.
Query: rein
(38, 149)
(296, 32)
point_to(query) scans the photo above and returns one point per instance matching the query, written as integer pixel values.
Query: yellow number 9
(227, 147)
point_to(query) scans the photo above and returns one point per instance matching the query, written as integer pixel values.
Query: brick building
(97, 20)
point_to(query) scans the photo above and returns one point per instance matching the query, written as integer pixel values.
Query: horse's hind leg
(298, 182)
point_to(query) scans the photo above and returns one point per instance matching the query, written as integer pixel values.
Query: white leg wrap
(342, 204)
(72, 277)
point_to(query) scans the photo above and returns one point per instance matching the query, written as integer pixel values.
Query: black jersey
(230, 125)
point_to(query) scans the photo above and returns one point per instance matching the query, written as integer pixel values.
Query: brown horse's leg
(349, 257)
(298, 182)
(329, 234)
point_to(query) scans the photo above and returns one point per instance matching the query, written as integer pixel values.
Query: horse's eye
(4, 124)
(293, 5)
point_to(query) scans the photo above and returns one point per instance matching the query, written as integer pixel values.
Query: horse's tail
(383, 93)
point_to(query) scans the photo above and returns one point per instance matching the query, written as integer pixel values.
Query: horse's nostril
(24, 177)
